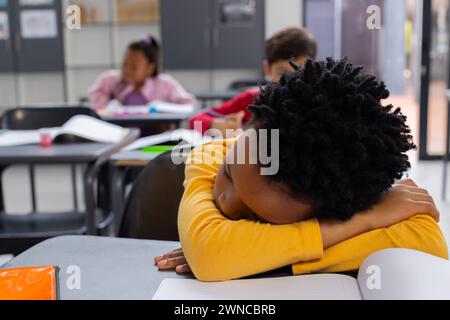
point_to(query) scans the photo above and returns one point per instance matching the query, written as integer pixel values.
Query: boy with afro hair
(335, 198)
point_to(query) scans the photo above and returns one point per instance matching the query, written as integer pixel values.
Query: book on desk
(188, 137)
(388, 274)
(83, 127)
(116, 109)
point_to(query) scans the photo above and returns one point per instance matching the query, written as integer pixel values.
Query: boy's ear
(266, 68)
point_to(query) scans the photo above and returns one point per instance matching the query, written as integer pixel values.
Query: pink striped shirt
(163, 87)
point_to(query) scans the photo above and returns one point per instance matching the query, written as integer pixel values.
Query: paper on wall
(38, 24)
(4, 26)
(24, 3)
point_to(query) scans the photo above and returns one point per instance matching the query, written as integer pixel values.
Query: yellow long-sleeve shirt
(219, 249)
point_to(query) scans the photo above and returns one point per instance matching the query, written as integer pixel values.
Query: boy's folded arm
(219, 249)
(420, 233)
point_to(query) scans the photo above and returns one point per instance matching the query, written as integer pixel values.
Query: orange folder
(36, 283)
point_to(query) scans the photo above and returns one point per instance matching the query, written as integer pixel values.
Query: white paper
(18, 138)
(167, 107)
(38, 24)
(93, 129)
(25, 3)
(189, 136)
(81, 126)
(405, 275)
(11, 138)
(115, 107)
(309, 287)
(4, 26)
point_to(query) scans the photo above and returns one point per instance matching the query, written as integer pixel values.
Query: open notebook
(190, 137)
(80, 126)
(115, 108)
(386, 275)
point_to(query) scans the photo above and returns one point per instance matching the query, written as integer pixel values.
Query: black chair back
(32, 118)
(151, 210)
(242, 85)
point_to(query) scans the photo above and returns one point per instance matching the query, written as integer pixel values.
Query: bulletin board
(129, 11)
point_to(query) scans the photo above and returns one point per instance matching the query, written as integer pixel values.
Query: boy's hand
(402, 202)
(231, 122)
(173, 261)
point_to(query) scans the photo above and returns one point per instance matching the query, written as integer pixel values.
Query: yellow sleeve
(219, 249)
(420, 233)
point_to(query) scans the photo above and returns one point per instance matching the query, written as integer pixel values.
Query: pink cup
(46, 140)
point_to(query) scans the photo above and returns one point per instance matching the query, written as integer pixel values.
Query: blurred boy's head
(295, 44)
(339, 147)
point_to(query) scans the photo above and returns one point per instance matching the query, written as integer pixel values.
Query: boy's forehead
(301, 60)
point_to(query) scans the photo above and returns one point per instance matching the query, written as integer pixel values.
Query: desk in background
(92, 155)
(131, 121)
(145, 120)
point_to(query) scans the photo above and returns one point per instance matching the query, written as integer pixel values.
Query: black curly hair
(340, 148)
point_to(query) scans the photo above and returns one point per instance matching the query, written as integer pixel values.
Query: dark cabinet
(213, 34)
(186, 34)
(35, 40)
(6, 44)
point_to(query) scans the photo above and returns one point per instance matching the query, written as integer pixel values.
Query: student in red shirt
(292, 43)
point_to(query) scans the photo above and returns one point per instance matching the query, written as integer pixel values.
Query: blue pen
(153, 109)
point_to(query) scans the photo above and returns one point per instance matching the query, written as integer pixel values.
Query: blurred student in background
(295, 44)
(140, 81)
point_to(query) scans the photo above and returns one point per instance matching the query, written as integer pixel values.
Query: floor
(54, 191)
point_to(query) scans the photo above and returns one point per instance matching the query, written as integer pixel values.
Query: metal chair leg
(2, 202)
(73, 169)
(31, 172)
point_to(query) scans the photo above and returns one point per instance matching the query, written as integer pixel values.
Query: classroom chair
(151, 208)
(242, 85)
(20, 232)
(32, 118)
